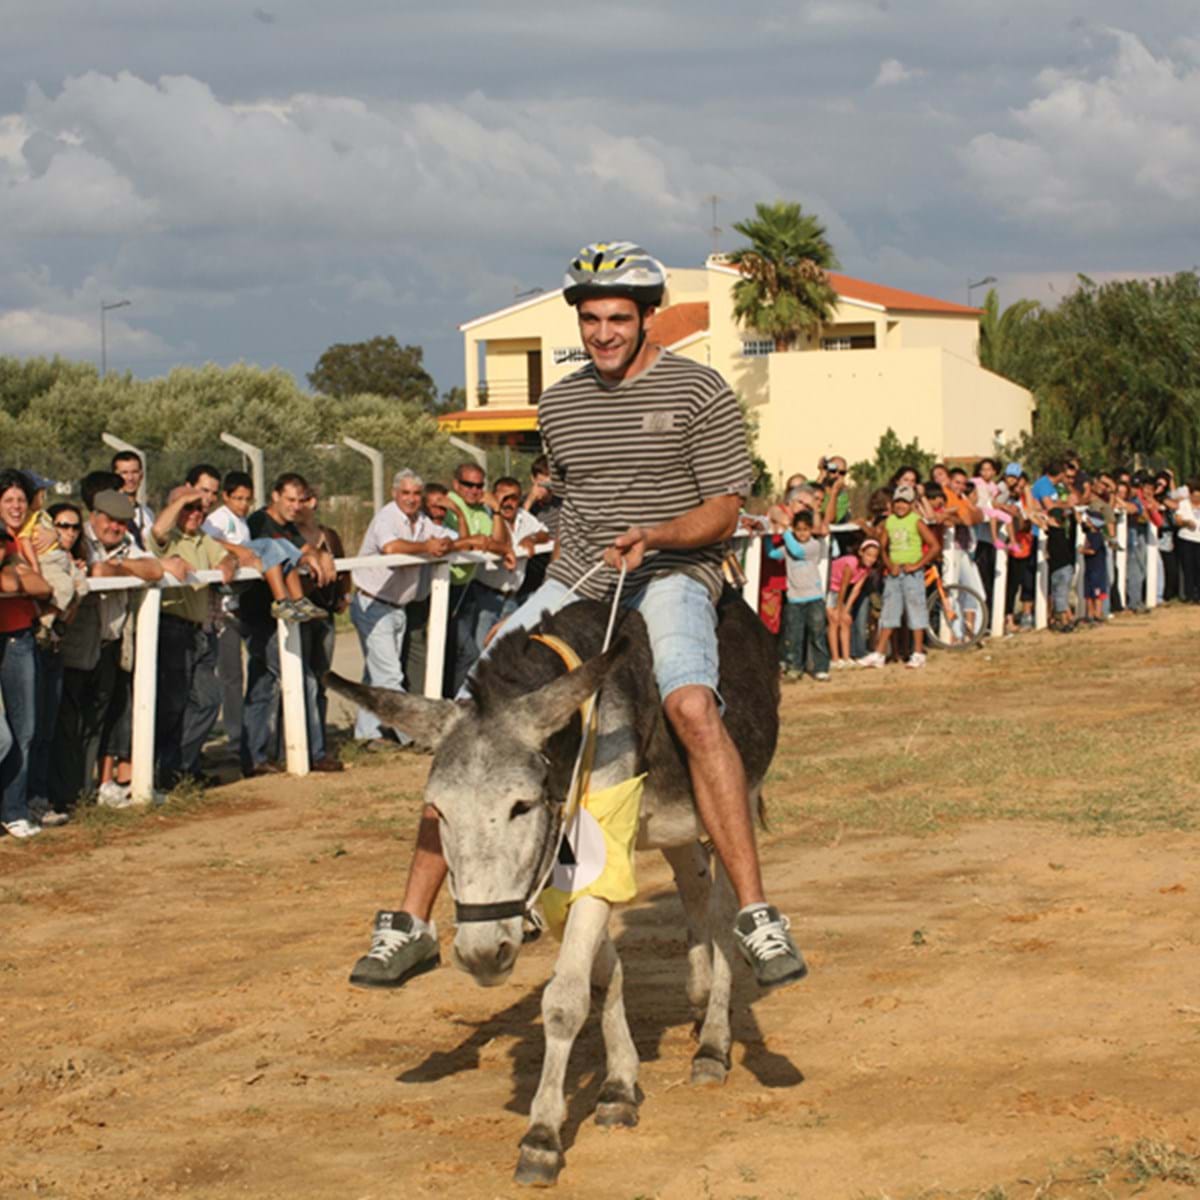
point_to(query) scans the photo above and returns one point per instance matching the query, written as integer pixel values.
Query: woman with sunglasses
(23, 587)
(65, 562)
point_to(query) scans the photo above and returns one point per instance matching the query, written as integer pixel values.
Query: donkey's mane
(516, 666)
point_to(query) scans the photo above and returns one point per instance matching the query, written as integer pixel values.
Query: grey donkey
(500, 774)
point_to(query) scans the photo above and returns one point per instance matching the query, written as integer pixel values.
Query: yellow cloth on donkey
(601, 838)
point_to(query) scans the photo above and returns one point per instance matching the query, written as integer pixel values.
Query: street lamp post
(978, 283)
(105, 309)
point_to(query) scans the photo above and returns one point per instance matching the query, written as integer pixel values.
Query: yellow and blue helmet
(604, 269)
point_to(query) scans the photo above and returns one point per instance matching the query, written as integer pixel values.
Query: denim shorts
(904, 595)
(1060, 588)
(681, 621)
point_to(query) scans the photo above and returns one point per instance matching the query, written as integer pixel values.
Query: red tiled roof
(893, 299)
(679, 321)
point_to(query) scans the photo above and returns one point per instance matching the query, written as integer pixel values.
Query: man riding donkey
(648, 452)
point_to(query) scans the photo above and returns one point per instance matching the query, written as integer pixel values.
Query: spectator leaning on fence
(276, 521)
(385, 595)
(189, 696)
(97, 654)
(545, 506)
(127, 465)
(501, 585)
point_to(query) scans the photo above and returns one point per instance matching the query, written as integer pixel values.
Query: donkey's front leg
(618, 1102)
(711, 1061)
(564, 1009)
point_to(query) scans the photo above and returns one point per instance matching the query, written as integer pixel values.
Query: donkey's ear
(534, 718)
(425, 721)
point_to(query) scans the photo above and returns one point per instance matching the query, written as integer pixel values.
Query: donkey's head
(498, 782)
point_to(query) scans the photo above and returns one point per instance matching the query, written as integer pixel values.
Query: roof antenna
(715, 229)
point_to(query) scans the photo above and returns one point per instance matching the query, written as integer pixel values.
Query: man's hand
(174, 565)
(103, 570)
(894, 570)
(629, 548)
(41, 540)
(509, 559)
(228, 567)
(528, 545)
(321, 564)
(437, 547)
(913, 568)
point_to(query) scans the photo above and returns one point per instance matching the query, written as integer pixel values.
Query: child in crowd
(1095, 568)
(40, 544)
(906, 548)
(848, 579)
(804, 628)
(276, 558)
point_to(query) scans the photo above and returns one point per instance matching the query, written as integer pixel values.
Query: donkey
(499, 779)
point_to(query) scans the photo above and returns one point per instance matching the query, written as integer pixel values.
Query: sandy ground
(997, 1008)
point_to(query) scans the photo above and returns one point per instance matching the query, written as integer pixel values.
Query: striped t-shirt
(640, 452)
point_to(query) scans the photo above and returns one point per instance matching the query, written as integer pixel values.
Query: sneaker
(21, 829)
(763, 938)
(822, 676)
(915, 662)
(839, 664)
(874, 659)
(286, 610)
(114, 795)
(308, 610)
(42, 814)
(398, 952)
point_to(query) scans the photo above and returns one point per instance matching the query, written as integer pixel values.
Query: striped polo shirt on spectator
(640, 452)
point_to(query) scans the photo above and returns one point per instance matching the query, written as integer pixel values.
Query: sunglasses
(67, 525)
(195, 506)
(468, 483)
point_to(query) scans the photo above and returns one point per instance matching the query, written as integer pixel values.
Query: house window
(757, 347)
(865, 341)
(569, 354)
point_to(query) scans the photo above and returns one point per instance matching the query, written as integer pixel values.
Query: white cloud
(1120, 151)
(36, 331)
(892, 71)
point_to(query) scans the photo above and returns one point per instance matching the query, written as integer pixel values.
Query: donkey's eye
(519, 809)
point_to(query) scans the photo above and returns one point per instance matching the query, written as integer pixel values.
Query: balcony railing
(507, 393)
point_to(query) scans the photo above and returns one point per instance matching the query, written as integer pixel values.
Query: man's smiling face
(611, 332)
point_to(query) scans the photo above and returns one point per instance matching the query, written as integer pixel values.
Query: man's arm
(711, 521)
(20, 579)
(165, 521)
(147, 569)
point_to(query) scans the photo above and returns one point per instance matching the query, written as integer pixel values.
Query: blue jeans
(1135, 592)
(18, 683)
(261, 707)
(806, 636)
(681, 622)
(189, 697)
(1060, 588)
(380, 630)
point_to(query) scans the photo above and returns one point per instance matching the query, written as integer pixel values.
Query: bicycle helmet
(604, 269)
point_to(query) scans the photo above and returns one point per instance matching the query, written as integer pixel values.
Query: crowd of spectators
(67, 647)
(843, 593)
(838, 591)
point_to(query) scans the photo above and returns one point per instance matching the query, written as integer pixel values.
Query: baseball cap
(113, 504)
(904, 492)
(40, 482)
(1014, 469)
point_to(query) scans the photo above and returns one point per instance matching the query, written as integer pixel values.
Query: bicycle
(958, 615)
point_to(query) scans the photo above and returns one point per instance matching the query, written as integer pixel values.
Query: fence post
(375, 458)
(436, 633)
(1041, 595)
(999, 589)
(1152, 565)
(145, 690)
(949, 558)
(754, 557)
(1123, 558)
(480, 456)
(291, 684)
(255, 455)
(115, 443)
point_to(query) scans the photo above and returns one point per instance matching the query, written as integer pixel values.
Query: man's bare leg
(719, 785)
(428, 869)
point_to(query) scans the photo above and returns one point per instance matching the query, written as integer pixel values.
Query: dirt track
(993, 1005)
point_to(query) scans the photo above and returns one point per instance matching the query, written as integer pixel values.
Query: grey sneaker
(287, 611)
(398, 953)
(308, 610)
(763, 938)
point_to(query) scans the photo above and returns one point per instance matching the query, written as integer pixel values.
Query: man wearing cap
(95, 680)
(189, 695)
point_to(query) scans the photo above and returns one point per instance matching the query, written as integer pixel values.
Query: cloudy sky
(261, 180)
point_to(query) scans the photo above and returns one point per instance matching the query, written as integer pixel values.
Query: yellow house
(886, 358)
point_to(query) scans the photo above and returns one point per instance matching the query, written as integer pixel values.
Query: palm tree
(785, 292)
(1003, 340)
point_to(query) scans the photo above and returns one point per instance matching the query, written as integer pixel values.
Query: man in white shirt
(500, 584)
(383, 593)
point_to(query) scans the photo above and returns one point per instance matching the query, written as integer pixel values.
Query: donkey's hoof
(617, 1104)
(540, 1160)
(709, 1067)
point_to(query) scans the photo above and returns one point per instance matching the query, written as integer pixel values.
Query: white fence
(291, 666)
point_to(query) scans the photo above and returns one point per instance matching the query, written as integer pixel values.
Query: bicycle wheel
(959, 622)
